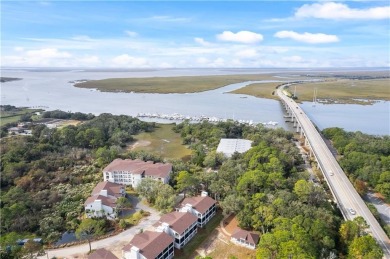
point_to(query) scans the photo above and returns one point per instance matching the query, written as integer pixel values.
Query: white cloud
(131, 33)
(246, 53)
(247, 37)
(89, 60)
(202, 60)
(218, 62)
(312, 38)
(165, 65)
(47, 53)
(294, 59)
(39, 58)
(338, 11)
(202, 42)
(18, 49)
(129, 61)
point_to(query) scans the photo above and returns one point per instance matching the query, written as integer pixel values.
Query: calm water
(53, 90)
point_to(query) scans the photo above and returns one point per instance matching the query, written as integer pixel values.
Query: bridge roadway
(343, 191)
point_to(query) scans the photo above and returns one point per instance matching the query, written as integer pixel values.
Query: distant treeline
(57, 114)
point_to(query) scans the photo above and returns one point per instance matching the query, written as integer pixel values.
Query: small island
(8, 79)
(365, 87)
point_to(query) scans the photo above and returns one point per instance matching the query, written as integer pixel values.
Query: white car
(352, 211)
(330, 173)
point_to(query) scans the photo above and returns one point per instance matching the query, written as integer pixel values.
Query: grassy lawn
(345, 90)
(199, 238)
(162, 141)
(182, 84)
(14, 115)
(263, 90)
(223, 251)
(11, 119)
(135, 218)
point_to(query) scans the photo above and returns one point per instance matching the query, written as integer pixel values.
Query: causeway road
(348, 200)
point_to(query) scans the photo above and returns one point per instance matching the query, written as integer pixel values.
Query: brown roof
(138, 167)
(150, 244)
(102, 254)
(249, 237)
(105, 200)
(113, 189)
(200, 203)
(178, 221)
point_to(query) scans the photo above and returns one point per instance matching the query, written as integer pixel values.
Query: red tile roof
(178, 221)
(105, 200)
(200, 203)
(113, 189)
(138, 167)
(249, 237)
(150, 244)
(102, 254)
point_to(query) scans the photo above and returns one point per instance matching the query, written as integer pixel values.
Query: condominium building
(203, 207)
(149, 245)
(180, 225)
(132, 172)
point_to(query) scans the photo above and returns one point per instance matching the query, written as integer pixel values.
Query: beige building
(245, 238)
(132, 172)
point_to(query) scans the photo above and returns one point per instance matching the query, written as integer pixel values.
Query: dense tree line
(267, 191)
(365, 158)
(58, 114)
(46, 177)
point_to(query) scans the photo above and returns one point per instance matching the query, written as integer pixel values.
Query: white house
(132, 172)
(102, 201)
(203, 207)
(245, 238)
(149, 245)
(180, 225)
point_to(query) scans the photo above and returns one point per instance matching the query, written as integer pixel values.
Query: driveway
(123, 238)
(383, 208)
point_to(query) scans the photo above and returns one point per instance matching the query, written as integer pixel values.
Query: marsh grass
(164, 142)
(262, 90)
(345, 91)
(182, 84)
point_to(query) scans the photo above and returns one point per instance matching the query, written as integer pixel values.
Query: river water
(51, 89)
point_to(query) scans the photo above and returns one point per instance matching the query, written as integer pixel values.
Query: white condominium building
(132, 172)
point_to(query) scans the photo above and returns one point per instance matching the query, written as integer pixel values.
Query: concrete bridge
(348, 200)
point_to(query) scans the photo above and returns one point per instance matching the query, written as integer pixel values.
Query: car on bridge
(352, 211)
(331, 173)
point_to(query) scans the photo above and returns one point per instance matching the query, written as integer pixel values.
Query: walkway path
(80, 250)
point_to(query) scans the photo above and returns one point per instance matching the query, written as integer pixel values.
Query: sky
(191, 34)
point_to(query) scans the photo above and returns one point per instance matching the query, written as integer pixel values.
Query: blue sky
(164, 34)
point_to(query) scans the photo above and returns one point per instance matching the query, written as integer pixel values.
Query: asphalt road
(382, 208)
(342, 189)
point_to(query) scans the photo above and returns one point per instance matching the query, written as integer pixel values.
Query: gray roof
(229, 146)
